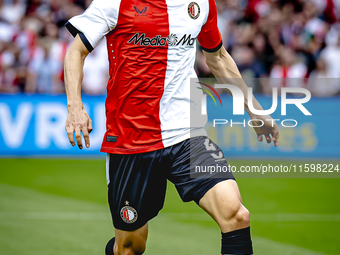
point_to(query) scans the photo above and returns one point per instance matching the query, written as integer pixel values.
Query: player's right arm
(88, 30)
(77, 120)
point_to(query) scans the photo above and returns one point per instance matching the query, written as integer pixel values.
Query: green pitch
(57, 206)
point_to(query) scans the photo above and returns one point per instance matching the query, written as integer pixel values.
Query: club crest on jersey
(128, 214)
(194, 10)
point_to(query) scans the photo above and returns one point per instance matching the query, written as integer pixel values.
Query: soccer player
(149, 139)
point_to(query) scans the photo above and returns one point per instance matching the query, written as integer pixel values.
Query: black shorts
(137, 182)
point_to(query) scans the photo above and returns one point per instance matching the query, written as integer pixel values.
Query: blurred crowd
(33, 44)
(275, 43)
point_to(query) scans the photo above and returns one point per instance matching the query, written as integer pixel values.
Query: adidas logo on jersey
(171, 40)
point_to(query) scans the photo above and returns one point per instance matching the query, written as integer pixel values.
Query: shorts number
(211, 147)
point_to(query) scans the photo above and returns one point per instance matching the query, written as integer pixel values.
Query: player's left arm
(223, 67)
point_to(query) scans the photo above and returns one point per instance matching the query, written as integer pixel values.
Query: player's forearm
(222, 65)
(73, 72)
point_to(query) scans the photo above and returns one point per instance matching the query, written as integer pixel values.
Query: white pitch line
(295, 217)
(55, 215)
(274, 217)
(262, 217)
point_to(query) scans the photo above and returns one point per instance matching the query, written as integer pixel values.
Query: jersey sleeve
(210, 37)
(98, 20)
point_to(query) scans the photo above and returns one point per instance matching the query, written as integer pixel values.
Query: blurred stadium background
(53, 197)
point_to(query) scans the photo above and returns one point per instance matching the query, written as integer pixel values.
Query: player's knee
(128, 251)
(130, 248)
(237, 217)
(242, 217)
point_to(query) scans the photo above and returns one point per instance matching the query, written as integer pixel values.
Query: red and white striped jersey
(152, 48)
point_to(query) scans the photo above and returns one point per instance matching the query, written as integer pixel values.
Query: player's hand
(78, 120)
(267, 127)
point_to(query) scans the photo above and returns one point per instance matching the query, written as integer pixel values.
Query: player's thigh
(198, 165)
(136, 189)
(224, 204)
(134, 241)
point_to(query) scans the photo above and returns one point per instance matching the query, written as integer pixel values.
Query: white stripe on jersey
(175, 103)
